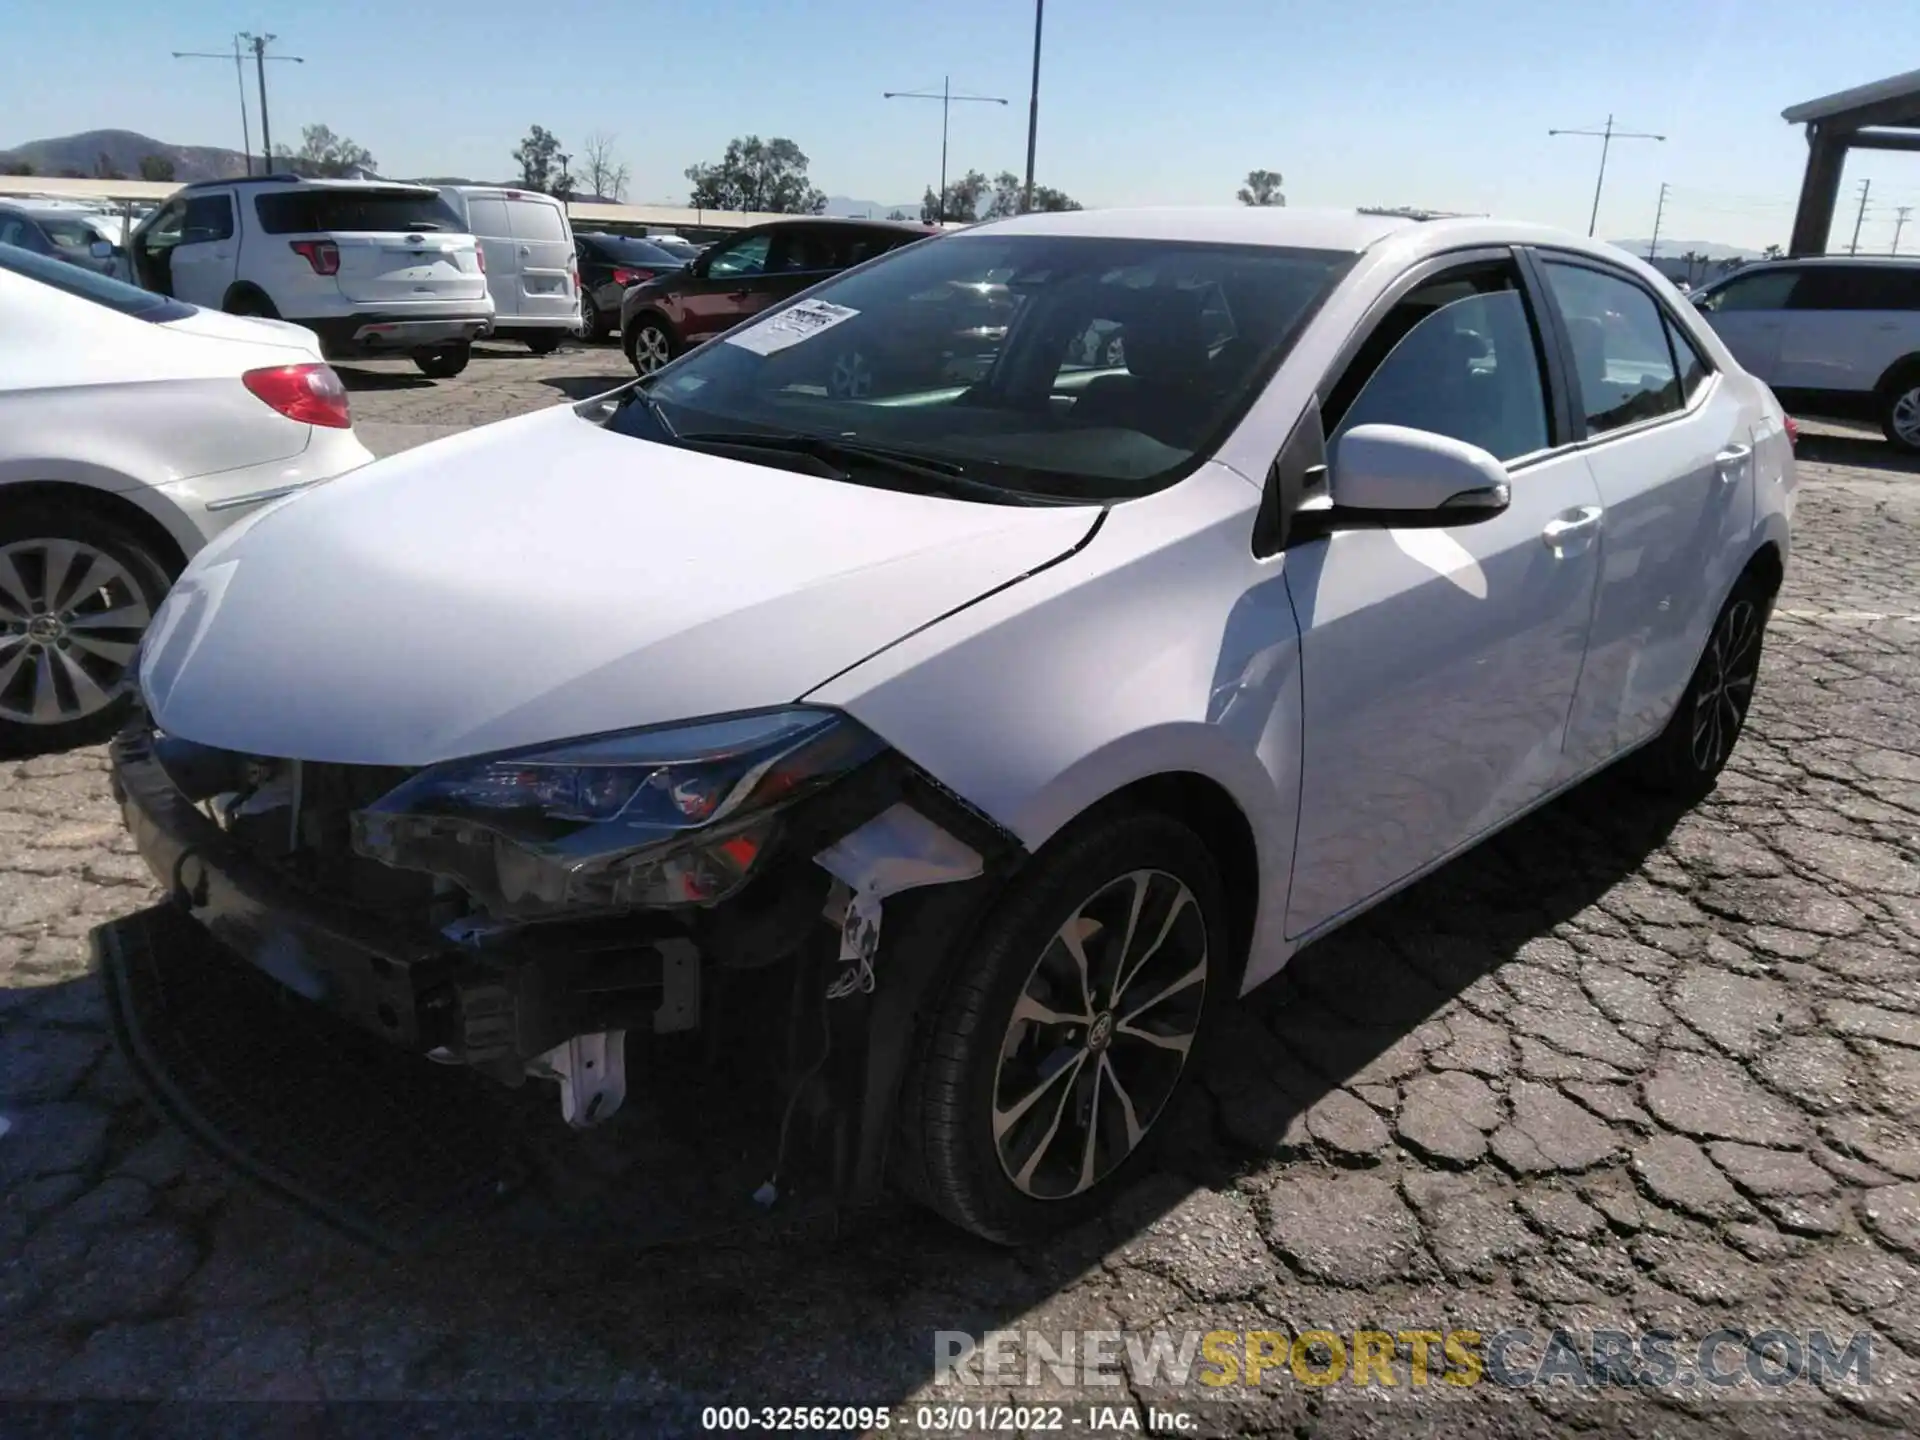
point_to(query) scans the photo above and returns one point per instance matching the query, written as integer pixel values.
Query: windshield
(1060, 366)
(92, 285)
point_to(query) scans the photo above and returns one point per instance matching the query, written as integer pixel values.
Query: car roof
(310, 182)
(1899, 260)
(839, 222)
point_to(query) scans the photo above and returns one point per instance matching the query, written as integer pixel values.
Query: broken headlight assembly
(670, 816)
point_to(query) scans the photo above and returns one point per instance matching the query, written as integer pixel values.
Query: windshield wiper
(942, 477)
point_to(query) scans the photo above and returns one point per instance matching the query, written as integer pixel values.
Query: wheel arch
(171, 538)
(1905, 366)
(246, 290)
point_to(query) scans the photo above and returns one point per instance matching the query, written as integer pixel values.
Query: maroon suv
(744, 274)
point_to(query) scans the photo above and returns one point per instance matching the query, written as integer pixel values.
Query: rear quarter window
(294, 212)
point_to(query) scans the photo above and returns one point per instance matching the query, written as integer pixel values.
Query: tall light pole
(1900, 214)
(947, 100)
(240, 79)
(1033, 106)
(1606, 138)
(1866, 189)
(1659, 211)
(258, 44)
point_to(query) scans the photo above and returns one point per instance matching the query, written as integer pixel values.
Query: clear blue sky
(1439, 103)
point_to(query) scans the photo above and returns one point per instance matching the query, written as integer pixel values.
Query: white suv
(370, 267)
(1834, 336)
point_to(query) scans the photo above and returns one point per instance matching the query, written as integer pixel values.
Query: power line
(1606, 137)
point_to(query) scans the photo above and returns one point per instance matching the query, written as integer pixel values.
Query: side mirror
(1394, 475)
(100, 250)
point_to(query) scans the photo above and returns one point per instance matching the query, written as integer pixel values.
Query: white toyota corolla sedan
(132, 429)
(1016, 714)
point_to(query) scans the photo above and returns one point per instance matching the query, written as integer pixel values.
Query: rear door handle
(1575, 522)
(1730, 460)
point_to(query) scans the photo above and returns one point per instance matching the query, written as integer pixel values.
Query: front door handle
(1730, 460)
(1565, 527)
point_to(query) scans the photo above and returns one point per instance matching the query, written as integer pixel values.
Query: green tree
(1773, 252)
(1262, 188)
(896, 215)
(156, 167)
(323, 154)
(1008, 189)
(536, 156)
(962, 202)
(17, 167)
(768, 176)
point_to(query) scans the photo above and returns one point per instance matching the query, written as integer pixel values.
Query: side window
(1858, 287)
(487, 217)
(1620, 355)
(1458, 357)
(812, 248)
(860, 246)
(743, 257)
(166, 227)
(207, 218)
(1767, 290)
(1692, 365)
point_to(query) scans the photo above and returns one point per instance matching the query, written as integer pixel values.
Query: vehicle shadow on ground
(1855, 450)
(768, 1317)
(356, 379)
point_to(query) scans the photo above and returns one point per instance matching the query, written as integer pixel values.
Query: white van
(531, 270)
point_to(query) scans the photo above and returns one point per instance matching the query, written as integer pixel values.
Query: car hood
(249, 329)
(545, 578)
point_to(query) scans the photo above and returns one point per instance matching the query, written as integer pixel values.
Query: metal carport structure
(1882, 116)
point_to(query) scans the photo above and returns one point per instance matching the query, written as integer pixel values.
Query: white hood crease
(543, 579)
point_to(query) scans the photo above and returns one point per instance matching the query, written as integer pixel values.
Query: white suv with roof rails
(371, 267)
(1835, 336)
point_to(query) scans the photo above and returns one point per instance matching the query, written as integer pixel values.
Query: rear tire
(1687, 757)
(443, 362)
(981, 1140)
(543, 344)
(76, 593)
(593, 325)
(1900, 410)
(650, 344)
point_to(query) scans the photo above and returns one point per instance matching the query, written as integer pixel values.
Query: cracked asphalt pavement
(1614, 1070)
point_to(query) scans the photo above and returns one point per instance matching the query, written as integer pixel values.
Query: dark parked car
(609, 266)
(744, 274)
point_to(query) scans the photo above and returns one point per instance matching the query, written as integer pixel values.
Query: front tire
(1068, 1032)
(593, 325)
(443, 362)
(1900, 411)
(76, 593)
(1687, 757)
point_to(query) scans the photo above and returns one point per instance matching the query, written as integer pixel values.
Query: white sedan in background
(133, 428)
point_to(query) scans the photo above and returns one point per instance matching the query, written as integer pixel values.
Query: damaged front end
(525, 913)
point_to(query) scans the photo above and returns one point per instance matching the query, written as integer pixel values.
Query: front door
(205, 260)
(1749, 313)
(1438, 665)
(1673, 458)
(733, 283)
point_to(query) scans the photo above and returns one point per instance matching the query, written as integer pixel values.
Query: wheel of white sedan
(1691, 752)
(76, 594)
(1056, 1055)
(1901, 416)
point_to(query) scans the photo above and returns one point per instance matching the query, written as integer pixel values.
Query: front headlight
(672, 816)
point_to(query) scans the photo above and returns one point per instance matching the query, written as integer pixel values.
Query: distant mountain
(847, 205)
(1706, 249)
(124, 149)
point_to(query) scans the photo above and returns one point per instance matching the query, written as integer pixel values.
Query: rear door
(398, 246)
(493, 233)
(1671, 449)
(543, 258)
(1749, 313)
(1846, 324)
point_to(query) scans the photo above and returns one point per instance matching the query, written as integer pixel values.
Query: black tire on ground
(650, 344)
(85, 660)
(960, 1090)
(1900, 409)
(1686, 758)
(544, 344)
(443, 362)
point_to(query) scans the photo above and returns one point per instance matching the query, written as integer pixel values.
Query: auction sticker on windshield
(791, 326)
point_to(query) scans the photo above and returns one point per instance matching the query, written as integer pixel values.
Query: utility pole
(1899, 223)
(1033, 106)
(1866, 188)
(1653, 245)
(258, 44)
(947, 100)
(1606, 138)
(240, 79)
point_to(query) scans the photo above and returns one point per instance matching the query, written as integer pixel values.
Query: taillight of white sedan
(133, 428)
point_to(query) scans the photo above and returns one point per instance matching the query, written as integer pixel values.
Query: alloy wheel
(71, 617)
(1100, 1034)
(650, 350)
(1727, 675)
(1906, 417)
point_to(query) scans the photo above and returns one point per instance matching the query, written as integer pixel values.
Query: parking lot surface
(1616, 1070)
